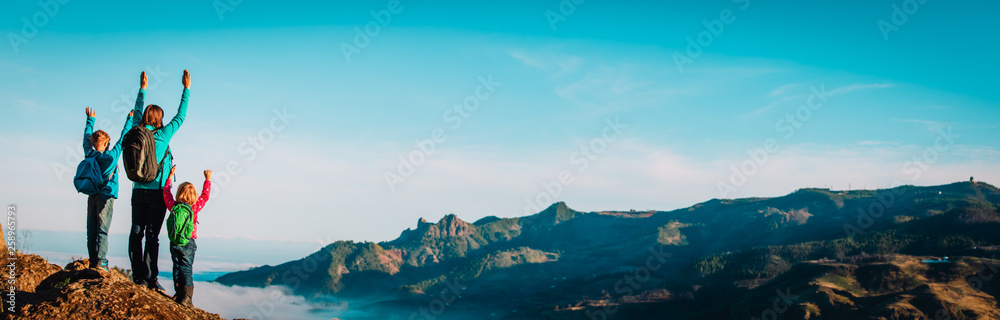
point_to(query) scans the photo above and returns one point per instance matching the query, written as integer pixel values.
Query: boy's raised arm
(175, 123)
(89, 129)
(139, 100)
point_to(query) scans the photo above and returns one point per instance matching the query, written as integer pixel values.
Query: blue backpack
(89, 179)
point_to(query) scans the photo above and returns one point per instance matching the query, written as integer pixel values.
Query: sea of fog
(215, 257)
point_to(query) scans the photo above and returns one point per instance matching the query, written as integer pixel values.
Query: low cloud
(271, 303)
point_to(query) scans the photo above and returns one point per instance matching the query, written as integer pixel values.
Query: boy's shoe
(99, 266)
(141, 283)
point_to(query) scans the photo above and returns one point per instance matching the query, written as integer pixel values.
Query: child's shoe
(184, 295)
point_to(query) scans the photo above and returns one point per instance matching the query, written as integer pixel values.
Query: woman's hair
(99, 138)
(153, 116)
(187, 194)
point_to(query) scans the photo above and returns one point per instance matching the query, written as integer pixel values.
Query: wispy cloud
(876, 143)
(568, 65)
(609, 90)
(930, 125)
(558, 65)
(26, 105)
(860, 86)
(14, 66)
(759, 111)
(784, 94)
(524, 58)
(781, 90)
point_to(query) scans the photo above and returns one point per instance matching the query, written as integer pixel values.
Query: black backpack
(139, 155)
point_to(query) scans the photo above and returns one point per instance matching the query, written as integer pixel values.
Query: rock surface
(46, 291)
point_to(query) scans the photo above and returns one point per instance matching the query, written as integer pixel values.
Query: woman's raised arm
(139, 100)
(168, 130)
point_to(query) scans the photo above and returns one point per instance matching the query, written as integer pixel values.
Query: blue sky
(560, 73)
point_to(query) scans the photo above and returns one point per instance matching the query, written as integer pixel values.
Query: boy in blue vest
(101, 205)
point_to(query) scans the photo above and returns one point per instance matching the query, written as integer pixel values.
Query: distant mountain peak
(449, 218)
(559, 212)
(451, 226)
(558, 206)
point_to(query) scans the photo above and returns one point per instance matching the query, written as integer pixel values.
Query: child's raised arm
(88, 130)
(206, 189)
(168, 198)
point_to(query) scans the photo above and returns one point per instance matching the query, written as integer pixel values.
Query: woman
(148, 209)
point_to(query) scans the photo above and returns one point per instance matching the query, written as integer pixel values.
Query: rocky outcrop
(77, 292)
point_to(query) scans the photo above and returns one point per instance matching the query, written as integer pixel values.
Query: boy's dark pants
(148, 212)
(183, 258)
(99, 211)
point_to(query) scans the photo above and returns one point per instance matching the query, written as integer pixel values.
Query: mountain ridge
(584, 255)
